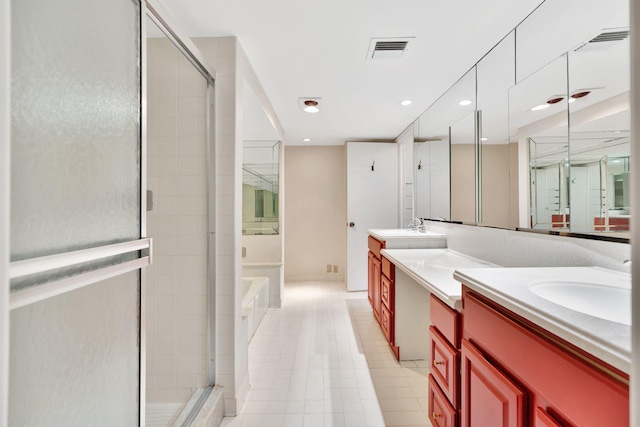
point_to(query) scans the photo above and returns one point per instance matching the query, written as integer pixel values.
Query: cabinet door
(386, 322)
(386, 289)
(543, 419)
(370, 287)
(489, 398)
(376, 287)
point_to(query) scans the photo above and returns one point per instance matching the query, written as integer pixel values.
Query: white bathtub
(255, 301)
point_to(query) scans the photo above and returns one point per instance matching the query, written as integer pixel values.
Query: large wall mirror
(599, 146)
(538, 121)
(545, 143)
(444, 139)
(261, 153)
(498, 154)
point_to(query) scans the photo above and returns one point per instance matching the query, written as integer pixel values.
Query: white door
(372, 201)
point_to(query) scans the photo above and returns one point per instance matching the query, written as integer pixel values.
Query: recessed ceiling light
(309, 105)
(406, 102)
(484, 139)
(465, 102)
(540, 107)
(306, 139)
(580, 94)
(555, 99)
(572, 100)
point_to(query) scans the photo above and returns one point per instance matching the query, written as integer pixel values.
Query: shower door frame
(5, 173)
(160, 17)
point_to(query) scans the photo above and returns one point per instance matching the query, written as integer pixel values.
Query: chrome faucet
(415, 223)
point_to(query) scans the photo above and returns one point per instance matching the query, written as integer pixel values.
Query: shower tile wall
(176, 282)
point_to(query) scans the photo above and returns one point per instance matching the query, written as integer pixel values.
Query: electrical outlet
(328, 268)
(335, 268)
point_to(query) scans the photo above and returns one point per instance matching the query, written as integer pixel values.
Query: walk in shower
(179, 315)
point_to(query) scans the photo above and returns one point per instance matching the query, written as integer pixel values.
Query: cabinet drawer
(444, 365)
(446, 320)
(388, 269)
(387, 293)
(441, 413)
(375, 246)
(386, 322)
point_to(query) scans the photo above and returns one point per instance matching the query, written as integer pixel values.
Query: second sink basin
(605, 302)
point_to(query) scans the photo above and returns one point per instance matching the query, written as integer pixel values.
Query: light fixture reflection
(306, 139)
(540, 107)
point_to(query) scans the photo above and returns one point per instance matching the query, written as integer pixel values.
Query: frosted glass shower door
(75, 210)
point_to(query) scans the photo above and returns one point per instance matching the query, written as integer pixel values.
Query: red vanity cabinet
(512, 365)
(381, 291)
(374, 271)
(444, 350)
(388, 302)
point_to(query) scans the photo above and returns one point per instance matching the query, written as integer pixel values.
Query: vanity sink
(603, 301)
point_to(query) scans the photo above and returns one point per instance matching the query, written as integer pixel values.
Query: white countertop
(433, 269)
(510, 287)
(405, 238)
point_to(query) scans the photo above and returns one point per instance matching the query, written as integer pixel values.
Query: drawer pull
(436, 415)
(436, 363)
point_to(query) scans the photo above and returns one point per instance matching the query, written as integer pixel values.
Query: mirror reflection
(498, 156)
(463, 165)
(548, 174)
(261, 153)
(544, 147)
(538, 117)
(450, 120)
(599, 146)
(260, 177)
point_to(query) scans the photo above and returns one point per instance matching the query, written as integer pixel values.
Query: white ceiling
(302, 48)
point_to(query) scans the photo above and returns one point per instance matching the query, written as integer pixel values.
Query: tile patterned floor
(323, 361)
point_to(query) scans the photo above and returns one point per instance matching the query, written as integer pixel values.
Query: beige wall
(315, 212)
(495, 185)
(463, 190)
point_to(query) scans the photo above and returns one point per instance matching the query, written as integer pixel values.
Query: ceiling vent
(388, 48)
(604, 40)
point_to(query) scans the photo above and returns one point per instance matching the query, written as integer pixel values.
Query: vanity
(423, 286)
(539, 346)
(528, 349)
(381, 272)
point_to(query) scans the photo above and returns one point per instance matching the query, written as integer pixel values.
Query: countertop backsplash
(511, 248)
